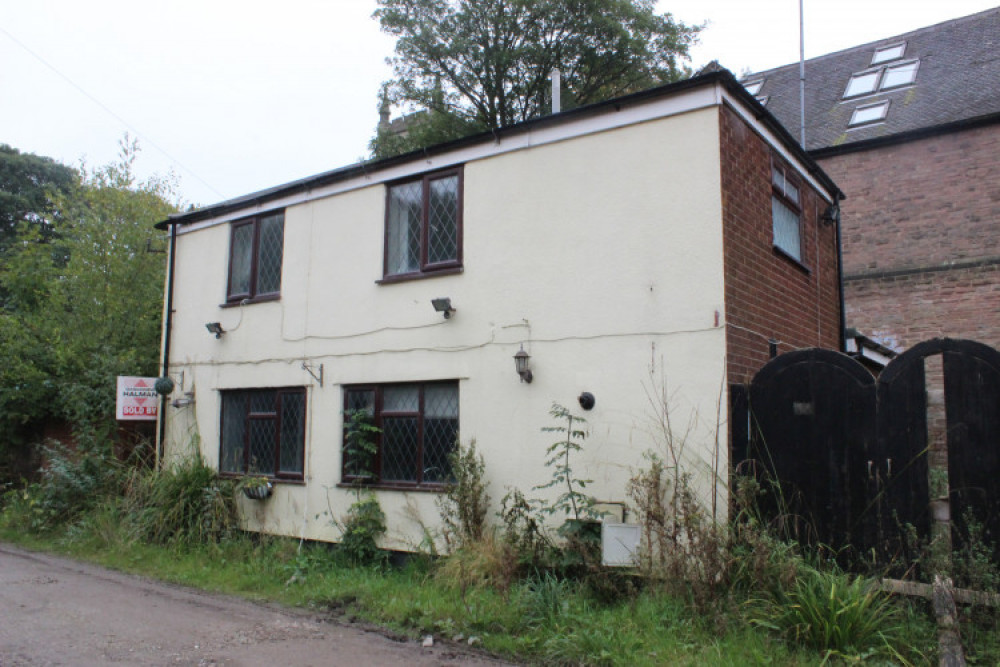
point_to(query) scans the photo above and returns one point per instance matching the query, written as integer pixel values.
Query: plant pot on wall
(257, 489)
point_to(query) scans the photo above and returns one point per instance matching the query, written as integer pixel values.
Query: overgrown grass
(176, 525)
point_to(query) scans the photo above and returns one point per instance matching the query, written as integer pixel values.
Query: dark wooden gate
(851, 453)
(813, 426)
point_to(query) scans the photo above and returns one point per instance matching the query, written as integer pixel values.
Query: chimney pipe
(556, 91)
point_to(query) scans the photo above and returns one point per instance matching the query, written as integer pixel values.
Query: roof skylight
(753, 87)
(900, 75)
(862, 83)
(887, 53)
(870, 113)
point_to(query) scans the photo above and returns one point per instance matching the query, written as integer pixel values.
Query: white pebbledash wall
(601, 253)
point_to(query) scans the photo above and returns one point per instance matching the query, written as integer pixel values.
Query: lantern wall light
(521, 364)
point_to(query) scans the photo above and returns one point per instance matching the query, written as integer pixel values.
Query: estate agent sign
(137, 399)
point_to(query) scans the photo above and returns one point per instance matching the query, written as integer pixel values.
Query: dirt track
(55, 611)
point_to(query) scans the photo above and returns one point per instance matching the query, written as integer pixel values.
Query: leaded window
(416, 428)
(263, 432)
(255, 250)
(423, 228)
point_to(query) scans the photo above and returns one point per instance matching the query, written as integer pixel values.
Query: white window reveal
(870, 113)
(862, 83)
(887, 53)
(753, 87)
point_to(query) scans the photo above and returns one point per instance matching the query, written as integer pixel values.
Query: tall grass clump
(187, 502)
(840, 614)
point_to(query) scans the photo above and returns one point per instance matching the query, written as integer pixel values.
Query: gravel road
(56, 611)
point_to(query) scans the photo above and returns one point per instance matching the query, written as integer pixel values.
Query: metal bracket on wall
(309, 368)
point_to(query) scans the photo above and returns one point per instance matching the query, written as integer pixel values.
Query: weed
(522, 529)
(573, 501)
(463, 506)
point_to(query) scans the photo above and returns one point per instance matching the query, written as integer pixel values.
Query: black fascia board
(903, 137)
(723, 77)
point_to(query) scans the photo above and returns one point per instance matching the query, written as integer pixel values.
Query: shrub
(72, 482)
(362, 527)
(464, 504)
(682, 548)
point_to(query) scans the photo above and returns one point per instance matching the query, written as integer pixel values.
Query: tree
(27, 184)
(84, 301)
(489, 62)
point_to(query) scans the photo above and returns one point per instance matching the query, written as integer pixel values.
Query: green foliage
(82, 300)
(73, 481)
(486, 64)
(572, 502)
(523, 529)
(422, 128)
(834, 612)
(186, 503)
(465, 503)
(362, 527)
(359, 446)
(28, 183)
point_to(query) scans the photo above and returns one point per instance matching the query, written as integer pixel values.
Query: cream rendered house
(652, 243)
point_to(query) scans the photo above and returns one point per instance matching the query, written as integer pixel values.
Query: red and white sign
(137, 399)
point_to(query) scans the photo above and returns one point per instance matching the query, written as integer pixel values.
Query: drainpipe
(840, 277)
(167, 324)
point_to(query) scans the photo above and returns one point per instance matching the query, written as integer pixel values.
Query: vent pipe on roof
(556, 90)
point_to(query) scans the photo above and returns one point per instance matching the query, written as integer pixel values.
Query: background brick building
(909, 128)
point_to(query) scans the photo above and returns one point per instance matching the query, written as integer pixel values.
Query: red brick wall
(912, 210)
(769, 295)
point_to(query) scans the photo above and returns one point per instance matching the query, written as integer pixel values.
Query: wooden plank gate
(853, 454)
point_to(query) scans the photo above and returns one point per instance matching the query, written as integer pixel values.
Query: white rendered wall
(602, 254)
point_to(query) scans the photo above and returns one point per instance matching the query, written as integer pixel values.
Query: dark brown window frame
(276, 416)
(426, 268)
(796, 208)
(252, 296)
(348, 479)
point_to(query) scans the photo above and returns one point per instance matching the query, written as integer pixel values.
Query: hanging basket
(258, 491)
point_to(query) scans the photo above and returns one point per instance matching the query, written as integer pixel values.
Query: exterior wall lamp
(443, 305)
(521, 360)
(215, 328)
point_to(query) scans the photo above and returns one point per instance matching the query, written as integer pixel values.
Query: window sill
(397, 486)
(247, 302)
(406, 277)
(798, 264)
(273, 480)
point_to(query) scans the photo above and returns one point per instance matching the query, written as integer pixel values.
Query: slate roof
(957, 82)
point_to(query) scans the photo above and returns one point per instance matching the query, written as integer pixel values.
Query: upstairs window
(255, 249)
(753, 87)
(417, 429)
(263, 432)
(786, 210)
(423, 225)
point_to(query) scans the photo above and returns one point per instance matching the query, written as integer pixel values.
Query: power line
(121, 120)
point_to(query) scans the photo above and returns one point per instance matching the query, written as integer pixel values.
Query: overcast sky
(239, 95)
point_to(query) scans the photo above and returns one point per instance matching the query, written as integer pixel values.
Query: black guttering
(723, 77)
(903, 137)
